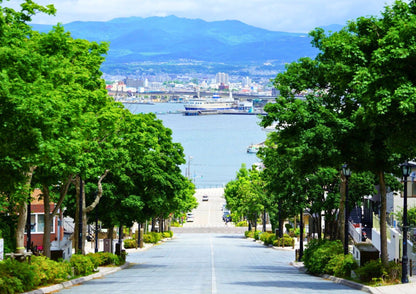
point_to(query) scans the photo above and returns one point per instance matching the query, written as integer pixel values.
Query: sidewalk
(409, 288)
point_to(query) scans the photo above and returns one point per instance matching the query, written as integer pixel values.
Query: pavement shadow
(234, 236)
(294, 284)
(144, 266)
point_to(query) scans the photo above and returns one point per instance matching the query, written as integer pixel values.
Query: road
(208, 256)
(208, 215)
(210, 263)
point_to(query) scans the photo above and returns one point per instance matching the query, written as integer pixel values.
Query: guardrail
(356, 235)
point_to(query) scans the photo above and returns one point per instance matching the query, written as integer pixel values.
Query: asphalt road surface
(210, 263)
(208, 215)
(208, 256)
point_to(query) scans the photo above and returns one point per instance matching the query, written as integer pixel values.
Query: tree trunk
(20, 230)
(77, 183)
(22, 210)
(110, 235)
(50, 215)
(301, 237)
(85, 209)
(161, 225)
(383, 220)
(295, 224)
(48, 222)
(153, 225)
(281, 220)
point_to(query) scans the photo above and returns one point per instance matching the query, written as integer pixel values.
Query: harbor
(215, 146)
(224, 112)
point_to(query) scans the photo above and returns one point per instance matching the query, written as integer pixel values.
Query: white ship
(210, 104)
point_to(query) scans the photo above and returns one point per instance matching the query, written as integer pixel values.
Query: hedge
(17, 277)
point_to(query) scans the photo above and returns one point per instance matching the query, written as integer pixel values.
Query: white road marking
(213, 277)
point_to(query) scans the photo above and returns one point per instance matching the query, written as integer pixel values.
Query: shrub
(286, 240)
(95, 258)
(166, 235)
(341, 265)
(152, 237)
(49, 271)
(267, 238)
(130, 243)
(249, 234)
(319, 253)
(394, 271)
(372, 270)
(256, 235)
(104, 258)
(9, 284)
(82, 265)
(175, 224)
(242, 224)
(20, 274)
(147, 238)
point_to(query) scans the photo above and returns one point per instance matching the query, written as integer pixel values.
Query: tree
(146, 186)
(25, 107)
(245, 195)
(364, 76)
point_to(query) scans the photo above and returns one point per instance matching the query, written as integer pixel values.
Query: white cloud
(279, 15)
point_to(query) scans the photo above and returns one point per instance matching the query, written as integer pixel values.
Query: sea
(215, 146)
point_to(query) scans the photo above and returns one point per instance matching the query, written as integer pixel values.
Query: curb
(76, 281)
(348, 283)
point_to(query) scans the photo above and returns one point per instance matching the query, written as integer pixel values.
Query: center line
(213, 278)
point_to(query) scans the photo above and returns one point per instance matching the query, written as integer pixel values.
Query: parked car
(226, 216)
(205, 198)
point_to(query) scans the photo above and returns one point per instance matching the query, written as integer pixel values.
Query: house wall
(38, 209)
(394, 243)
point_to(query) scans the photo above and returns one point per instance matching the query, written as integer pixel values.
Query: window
(37, 222)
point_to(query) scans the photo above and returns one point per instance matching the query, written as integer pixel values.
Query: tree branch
(99, 193)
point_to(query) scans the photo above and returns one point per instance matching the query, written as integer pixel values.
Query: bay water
(215, 145)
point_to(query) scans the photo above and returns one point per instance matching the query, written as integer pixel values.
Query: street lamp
(347, 173)
(406, 169)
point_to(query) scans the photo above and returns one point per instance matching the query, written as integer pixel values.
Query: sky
(299, 16)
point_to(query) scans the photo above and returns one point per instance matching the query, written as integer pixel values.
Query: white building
(222, 78)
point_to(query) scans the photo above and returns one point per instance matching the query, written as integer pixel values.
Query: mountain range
(168, 39)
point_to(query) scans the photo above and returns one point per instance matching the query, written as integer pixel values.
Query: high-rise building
(221, 78)
(133, 83)
(246, 82)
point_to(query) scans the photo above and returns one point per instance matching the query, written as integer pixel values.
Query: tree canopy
(58, 127)
(359, 105)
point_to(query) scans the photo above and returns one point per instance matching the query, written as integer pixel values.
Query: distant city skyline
(277, 15)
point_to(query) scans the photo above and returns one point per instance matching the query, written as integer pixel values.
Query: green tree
(25, 107)
(146, 141)
(245, 195)
(364, 77)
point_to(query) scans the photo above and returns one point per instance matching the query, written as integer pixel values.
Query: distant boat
(254, 148)
(210, 104)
